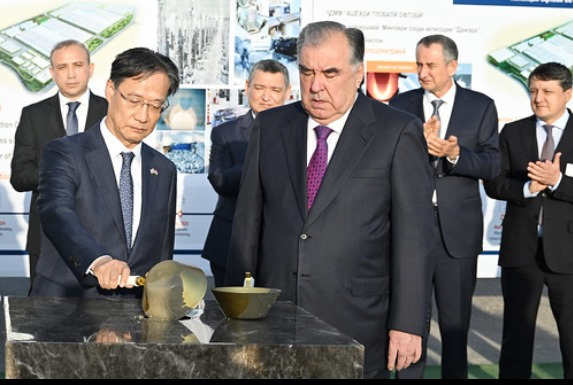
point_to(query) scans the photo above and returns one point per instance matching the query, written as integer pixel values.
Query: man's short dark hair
(67, 43)
(552, 71)
(313, 34)
(448, 45)
(141, 63)
(272, 66)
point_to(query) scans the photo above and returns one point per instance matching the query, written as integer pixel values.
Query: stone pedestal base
(98, 338)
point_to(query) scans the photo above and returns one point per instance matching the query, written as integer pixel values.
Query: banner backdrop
(215, 42)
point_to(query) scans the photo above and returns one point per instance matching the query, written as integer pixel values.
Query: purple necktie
(317, 165)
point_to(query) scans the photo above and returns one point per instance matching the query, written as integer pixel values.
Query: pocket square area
(569, 169)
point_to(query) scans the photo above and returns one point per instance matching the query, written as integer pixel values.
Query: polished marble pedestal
(100, 338)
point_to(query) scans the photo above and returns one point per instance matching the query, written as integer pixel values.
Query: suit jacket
(229, 143)
(518, 144)
(80, 212)
(39, 123)
(360, 259)
(474, 122)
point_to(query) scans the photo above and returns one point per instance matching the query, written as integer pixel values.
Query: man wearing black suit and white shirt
(537, 237)
(268, 86)
(463, 145)
(106, 198)
(356, 246)
(45, 120)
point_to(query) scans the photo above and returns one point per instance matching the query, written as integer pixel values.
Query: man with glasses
(106, 199)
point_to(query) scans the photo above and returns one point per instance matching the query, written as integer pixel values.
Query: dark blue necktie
(126, 195)
(72, 118)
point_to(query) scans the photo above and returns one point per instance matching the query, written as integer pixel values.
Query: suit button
(544, 194)
(303, 237)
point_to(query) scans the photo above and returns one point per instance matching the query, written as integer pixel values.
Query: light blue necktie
(126, 195)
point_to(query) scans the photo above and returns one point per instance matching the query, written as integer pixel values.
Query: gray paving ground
(486, 329)
(484, 339)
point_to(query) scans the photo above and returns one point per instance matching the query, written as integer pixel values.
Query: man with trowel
(106, 199)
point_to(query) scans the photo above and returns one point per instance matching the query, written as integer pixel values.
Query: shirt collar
(114, 146)
(448, 97)
(559, 123)
(336, 125)
(84, 100)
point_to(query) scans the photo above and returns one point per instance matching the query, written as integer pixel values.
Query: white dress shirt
(81, 112)
(115, 148)
(332, 139)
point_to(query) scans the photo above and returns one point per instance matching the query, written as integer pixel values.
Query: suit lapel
(246, 125)
(565, 145)
(416, 104)
(54, 116)
(294, 143)
(150, 172)
(528, 139)
(99, 163)
(96, 110)
(351, 146)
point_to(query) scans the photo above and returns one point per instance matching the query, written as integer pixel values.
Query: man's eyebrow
(331, 70)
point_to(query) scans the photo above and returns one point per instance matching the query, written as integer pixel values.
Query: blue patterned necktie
(72, 118)
(317, 165)
(126, 195)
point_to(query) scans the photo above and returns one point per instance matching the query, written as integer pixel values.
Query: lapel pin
(153, 172)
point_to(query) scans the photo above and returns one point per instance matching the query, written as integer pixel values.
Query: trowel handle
(249, 280)
(135, 280)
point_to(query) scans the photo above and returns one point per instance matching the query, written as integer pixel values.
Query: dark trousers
(454, 284)
(32, 262)
(218, 274)
(522, 288)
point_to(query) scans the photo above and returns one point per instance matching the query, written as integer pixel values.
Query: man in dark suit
(463, 148)
(89, 248)
(537, 237)
(268, 86)
(358, 256)
(43, 121)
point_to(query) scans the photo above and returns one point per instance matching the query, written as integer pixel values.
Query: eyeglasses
(136, 102)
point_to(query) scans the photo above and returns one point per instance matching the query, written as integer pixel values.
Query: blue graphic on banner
(520, 3)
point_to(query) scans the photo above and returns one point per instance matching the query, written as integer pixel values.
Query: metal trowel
(171, 290)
